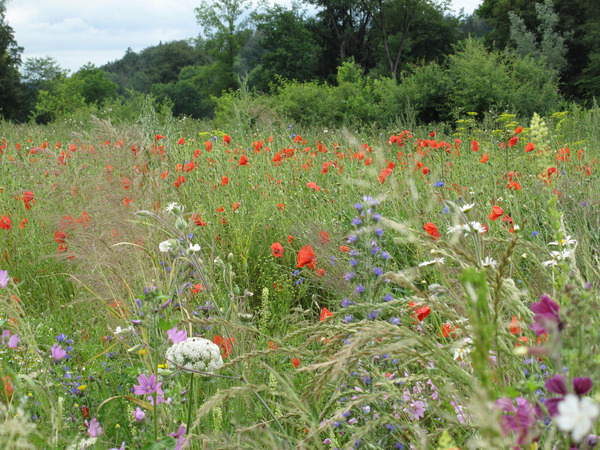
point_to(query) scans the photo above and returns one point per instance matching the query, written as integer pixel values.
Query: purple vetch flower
(3, 278)
(546, 317)
(523, 420)
(177, 336)
(556, 384)
(359, 289)
(147, 385)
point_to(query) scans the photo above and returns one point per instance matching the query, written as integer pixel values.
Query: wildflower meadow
(166, 284)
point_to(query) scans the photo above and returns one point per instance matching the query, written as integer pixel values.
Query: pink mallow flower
(3, 278)
(147, 385)
(523, 420)
(177, 336)
(94, 428)
(57, 352)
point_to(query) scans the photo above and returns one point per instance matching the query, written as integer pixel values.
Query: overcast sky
(75, 32)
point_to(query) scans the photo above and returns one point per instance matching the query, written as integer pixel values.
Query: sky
(75, 32)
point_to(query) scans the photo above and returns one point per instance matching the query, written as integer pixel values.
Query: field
(165, 284)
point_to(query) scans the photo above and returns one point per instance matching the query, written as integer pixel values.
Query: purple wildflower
(177, 335)
(94, 428)
(522, 422)
(13, 341)
(57, 352)
(358, 206)
(556, 384)
(147, 385)
(378, 271)
(359, 289)
(181, 440)
(3, 278)
(356, 221)
(139, 414)
(546, 317)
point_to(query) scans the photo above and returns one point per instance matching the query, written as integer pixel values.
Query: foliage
(10, 79)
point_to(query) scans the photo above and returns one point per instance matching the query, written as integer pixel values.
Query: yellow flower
(82, 387)
(142, 352)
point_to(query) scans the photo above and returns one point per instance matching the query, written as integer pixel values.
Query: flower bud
(180, 224)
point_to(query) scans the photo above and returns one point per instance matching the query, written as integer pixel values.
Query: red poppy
(384, 174)
(518, 130)
(320, 273)
(306, 257)
(529, 147)
(281, 206)
(484, 158)
(323, 237)
(126, 183)
(224, 181)
(181, 141)
(179, 181)
(243, 160)
(165, 174)
(513, 141)
(158, 137)
(515, 327)
(27, 198)
(344, 249)
(426, 170)
(60, 237)
(197, 288)
(208, 145)
(85, 411)
(447, 330)
(295, 362)
(290, 238)
(220, 209)
(312, 185)
(422, 312)
(496, 213)
(226, 139)
(5, 222)
(235, 206)
(325, 313)
(277, 249)
(197, 219)
(226, 345)
(475, 146)
(432, 230)
(23, 223)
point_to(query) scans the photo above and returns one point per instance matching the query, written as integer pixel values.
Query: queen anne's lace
(196, 353)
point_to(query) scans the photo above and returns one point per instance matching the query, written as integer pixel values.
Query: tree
(94, 85)
(10, 79)
(226, 30)
(290, 48)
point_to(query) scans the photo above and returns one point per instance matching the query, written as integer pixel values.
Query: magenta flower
(3, 278)
(94, 428)
(147, 385)
(57, 352)
(139, 414)
(181, 440)
(546, 317)
(556, 384)
(13, 341)
(523, 420)
(177, 335)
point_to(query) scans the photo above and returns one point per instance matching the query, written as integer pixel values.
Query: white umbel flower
(577, 416)
(196, 353)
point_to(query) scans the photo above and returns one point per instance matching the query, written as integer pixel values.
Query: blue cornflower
(445, 210)
(353, 262)
(438, 183)
(379, 232)
(388, 297)
(385, 255)
(376, 217)
(349, 276)
(352, 238)
(356, 221)
(359, 289)
(346, 303)
(348, 318)
(373, 314)
(375, 250)
(395, 320)
(534, 233)
(353, 252)
(332, 260)
(378, 271)
(358, 206)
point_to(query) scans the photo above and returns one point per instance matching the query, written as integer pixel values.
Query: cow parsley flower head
(196, 353)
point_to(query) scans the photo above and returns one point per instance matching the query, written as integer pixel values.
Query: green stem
(190, 398)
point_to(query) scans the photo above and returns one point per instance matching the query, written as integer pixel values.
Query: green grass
(384, 370)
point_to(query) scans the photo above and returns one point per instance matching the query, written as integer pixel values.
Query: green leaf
(165, 325)
(165, 443)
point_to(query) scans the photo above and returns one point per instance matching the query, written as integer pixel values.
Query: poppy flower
(295, 362)
(384, 174)
(197, 219)
(272, 345)
(224, 181)
(27, 199)
(23, 223)
(475, 146)
(496, 213)
(312, 185)
(518, 130)
(179, 181)
(484, 158)
(306, 257)
(226, 345)
(432, 230)
(226, 139)
(208, 145)
(243, 160)
(529, 147)
(290, 238)
(5, 223)
(323, 237)
(426, 170)
(197, 288)
(513, 141)
(515, 327)
(344, 249)
(158, 137)
(320, 273)
(277, 249)
(422, 312)
(281, 206)
(325, 313)
(235, 206)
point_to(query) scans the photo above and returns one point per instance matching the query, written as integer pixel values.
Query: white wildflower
(489, 262)
(577, 416)
(467, 207)
(478, 227)
(564, 242)
(195, 247)
(166, 246)
(550, 263)
(462, 352)
(441, 260)
(196, 353)
(170, 207)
